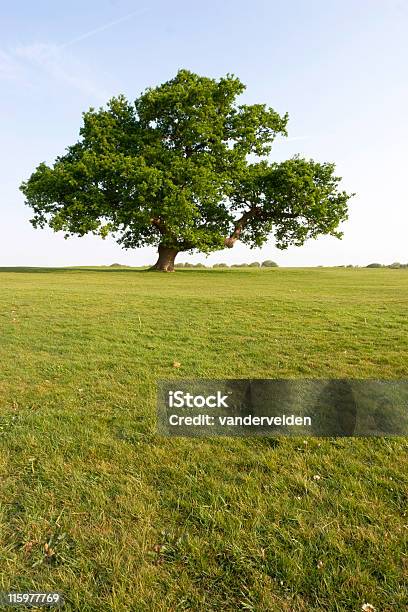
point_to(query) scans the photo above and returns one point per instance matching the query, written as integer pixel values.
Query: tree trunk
(165, 262)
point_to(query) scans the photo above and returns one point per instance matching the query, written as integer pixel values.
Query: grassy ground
(96, 505)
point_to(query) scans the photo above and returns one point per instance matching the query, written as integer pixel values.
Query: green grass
(139, 522)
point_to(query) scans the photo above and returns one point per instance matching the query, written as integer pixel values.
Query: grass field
(96, 505)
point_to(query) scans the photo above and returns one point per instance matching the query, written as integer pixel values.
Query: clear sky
(339, 67)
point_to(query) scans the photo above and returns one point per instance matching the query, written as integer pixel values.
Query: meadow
(96, 505)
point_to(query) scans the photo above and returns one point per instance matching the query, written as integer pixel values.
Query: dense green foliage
(137, 522)
(173, 169)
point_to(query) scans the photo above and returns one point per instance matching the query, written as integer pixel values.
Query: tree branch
(240, 224)
(159, 224)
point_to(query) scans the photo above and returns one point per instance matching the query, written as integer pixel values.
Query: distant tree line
(267, 264)
(272, 264)
(254, 264)
(394, 265)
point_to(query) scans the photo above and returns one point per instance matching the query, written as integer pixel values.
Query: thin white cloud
(104, 27)
(53, 61)
(63, 69)
(38, 53)
(9, 67)
(291, 138)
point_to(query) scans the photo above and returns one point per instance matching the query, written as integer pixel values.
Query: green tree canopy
(172, 170)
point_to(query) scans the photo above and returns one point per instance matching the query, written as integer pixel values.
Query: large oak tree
(176, 170)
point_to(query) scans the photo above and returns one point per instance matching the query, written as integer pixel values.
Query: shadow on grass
(28, 270)
(33, 270)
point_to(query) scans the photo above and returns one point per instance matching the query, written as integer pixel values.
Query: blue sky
(339, 67)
